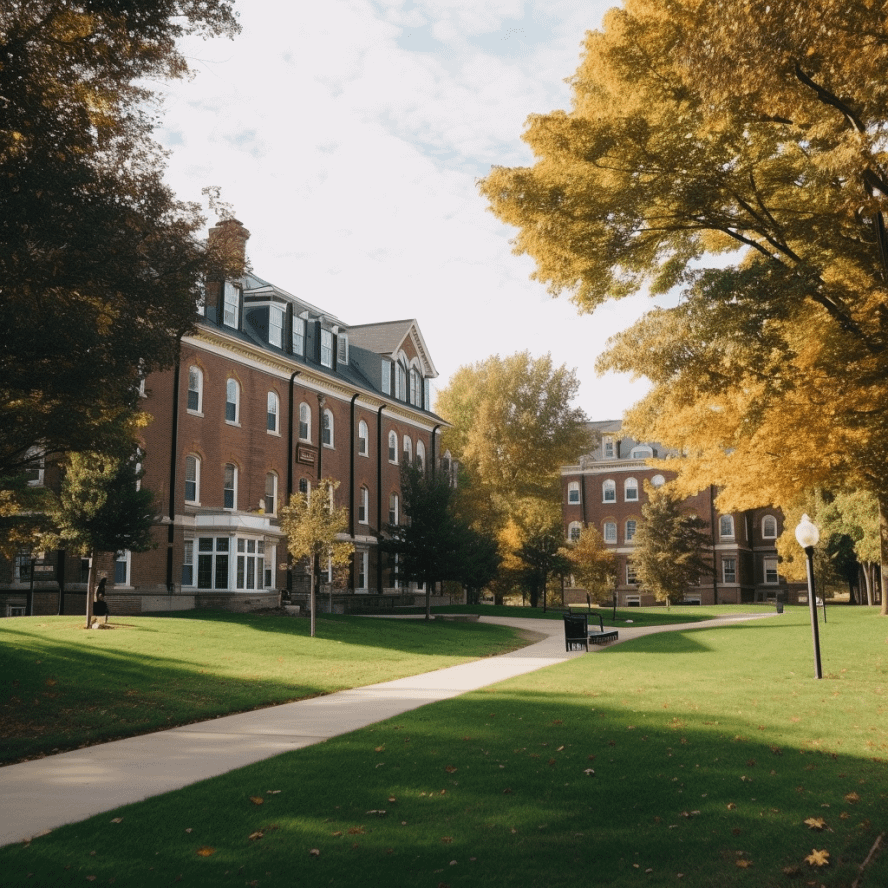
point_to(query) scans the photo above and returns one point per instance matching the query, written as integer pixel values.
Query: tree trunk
(313, 596)
(867, 582)
(883, 539)
(91, 588)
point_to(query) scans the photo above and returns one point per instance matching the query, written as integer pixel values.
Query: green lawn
(64, 686)
(710, 749)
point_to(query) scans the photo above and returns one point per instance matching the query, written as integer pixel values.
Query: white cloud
(349, 136)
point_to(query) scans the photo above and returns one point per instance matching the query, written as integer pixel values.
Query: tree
(668, 546)
(101, 267)
(102, 508)
(593, 564)
(753, 130)
(313, 525)
(512, 427)
(433, 544)
(539, 551)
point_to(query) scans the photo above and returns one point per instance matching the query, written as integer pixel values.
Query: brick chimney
(228, 246)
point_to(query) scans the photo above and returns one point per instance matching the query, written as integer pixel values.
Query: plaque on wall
(304, 455)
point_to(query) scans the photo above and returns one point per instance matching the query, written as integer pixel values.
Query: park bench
(578, 634)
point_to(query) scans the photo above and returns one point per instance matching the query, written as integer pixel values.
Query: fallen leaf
(117, 820)
(818, 858)
(356, 831)
(451, 769)
(188, 829)
(206, 851)
(589, 772)
(817, 823)
(743, 864)
(315, 852)
(852, 798)
(380, 748)
(392, 799)
(256, 835)
(376, 813)
(792, 872)
(257, 800)
(446, 839)
(731, 806)
(559, 749)
(338, 833)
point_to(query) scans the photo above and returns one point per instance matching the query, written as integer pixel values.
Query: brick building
(270, 394)
(607, 490)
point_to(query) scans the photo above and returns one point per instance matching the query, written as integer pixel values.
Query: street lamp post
(808, 536)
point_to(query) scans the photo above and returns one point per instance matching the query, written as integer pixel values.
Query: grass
(64, 686)
(710, 749)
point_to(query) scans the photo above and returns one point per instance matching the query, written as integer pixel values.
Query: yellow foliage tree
(313, 525)
(754, 130)
(593, 564)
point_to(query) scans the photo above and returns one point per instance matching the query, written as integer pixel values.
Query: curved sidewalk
(40, 795)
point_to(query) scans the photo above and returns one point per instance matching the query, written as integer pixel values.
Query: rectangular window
(362, 570)
(610, 531)
(573, 492)
(188, 564)
(608, 448)
(212, 562)
(121, 569)
(342, 348)
(276, 326)
(726, 526)
(631, 526)
(326, 347)
(386, 377)
(631, 577)
(231, 307)
(729, 570)
(770, 566)
(298, 336)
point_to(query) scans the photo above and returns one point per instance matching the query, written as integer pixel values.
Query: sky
(349, 137)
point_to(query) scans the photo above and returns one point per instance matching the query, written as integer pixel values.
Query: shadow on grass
(504, 788)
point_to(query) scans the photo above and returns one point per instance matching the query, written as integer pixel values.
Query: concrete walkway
(39, 795)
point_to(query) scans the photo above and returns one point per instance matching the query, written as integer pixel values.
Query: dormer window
(400, 382)
(326, 347)
(643, 452)
(231, 305)
(342, 348)
(276, 326)
(608, 445)
(415, 388)
(299, 336)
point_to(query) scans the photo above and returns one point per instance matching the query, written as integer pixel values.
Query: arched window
(415, 388)
(232, 401)
(573, 492)
(610, 531)
(408, 450)
(726, 526)
(271, 486)
(363, 438)
(364, 506)
(769, 527)
(195, 390)
(393, 447)
(642, 452)
(631, 527)
(304, 422)
(573, 531)
(630, 490)
(327, 432)
(400, 382)
(609, 491)
(192, 479)
(229, 487)
(394, 512)
(271, 413)
(420, 454)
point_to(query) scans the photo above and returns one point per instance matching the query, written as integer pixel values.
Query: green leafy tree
(433, 544)
(753, 130)
(539, 551)
(593, 564)
(512, 427)
(668, 546)
(313, 526)
(102, 508)
(100, 267)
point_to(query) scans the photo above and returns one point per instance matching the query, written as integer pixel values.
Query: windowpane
(231, 306)
(362, 438)
(231, 399)
(328, 428)
(195, 380)
(393, 447)
(574, 531)
(272, 413)
(304, 422)
(631, 490)
(729, 570)
(298, 336)
(192, 469)
(229, 487)
(327, 347)
(276, 326)
(573, 492)
(188, 564)
(631, 526)
(726, 526)
(270, 492)
(609, 491)
(610, 531)
(769, 527)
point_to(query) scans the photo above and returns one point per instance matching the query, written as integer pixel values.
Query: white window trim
(634, 522)
(420, 454)
(196, 500)
(326, 347)
(363, 439)
(328, 426)
(393, 448)
(276, 316)
(273, 401)
(607, 487)
(272, 475)
(765, 563)
(230, 305)
(630, 484)
(233, 488)
(408, 450)
(297, 344)
(307, 413)
(228, 383)
(364, 506)
(722, 535)
(604, 532)
(573, 493)
(574, 526)
(198, 375)
(766, 519)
